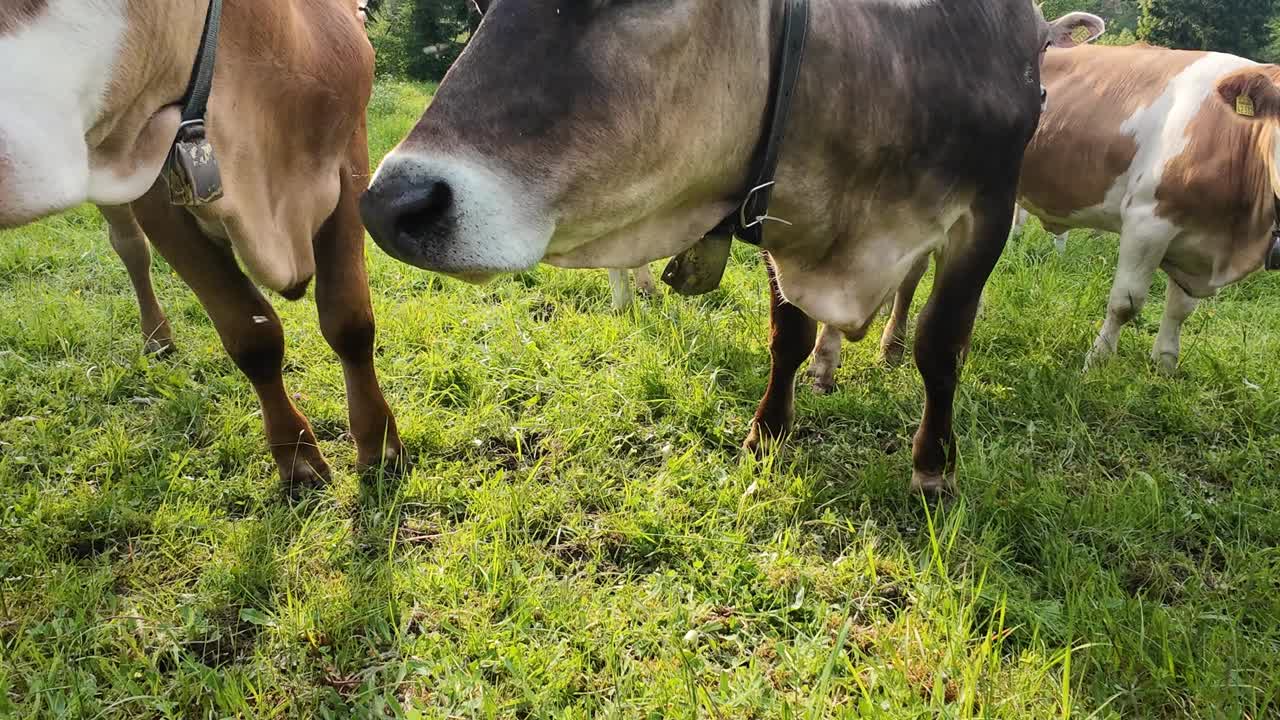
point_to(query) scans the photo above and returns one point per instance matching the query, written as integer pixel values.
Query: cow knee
(259, 352)
(352, 340)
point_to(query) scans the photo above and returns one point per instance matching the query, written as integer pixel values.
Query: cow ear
(1250, 93)
(1077, 28)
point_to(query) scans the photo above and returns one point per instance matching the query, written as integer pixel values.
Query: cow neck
(196, 100)
(747, 222)
(700, 269)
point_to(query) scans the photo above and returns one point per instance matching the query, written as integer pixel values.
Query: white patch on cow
(501, 224)
(56, 73)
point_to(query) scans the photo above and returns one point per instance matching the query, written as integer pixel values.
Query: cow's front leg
(893, 343)
(791, 337)
(1142, 247)
(1178, 306)
(250, 330)
(945, 329)
(346, 320)
(826, 359)
(130, 243)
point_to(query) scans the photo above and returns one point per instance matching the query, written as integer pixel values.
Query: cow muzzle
(454, 217)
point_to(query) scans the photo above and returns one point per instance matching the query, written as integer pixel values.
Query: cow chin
(455, 217)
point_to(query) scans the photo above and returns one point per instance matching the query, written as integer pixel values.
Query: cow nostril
(423, 206)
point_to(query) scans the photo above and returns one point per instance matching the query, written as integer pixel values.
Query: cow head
(584, 133)
(88, 98)
(1068, 31)
(1253, 93)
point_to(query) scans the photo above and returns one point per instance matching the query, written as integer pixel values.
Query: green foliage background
(420, 39)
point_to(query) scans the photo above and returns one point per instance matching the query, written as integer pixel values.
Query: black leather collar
(196, 101)
(747, 223)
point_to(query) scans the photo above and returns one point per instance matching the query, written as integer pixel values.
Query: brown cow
(613, 134)
(286, 121)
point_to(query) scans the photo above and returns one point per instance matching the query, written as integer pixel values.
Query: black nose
(401, 213)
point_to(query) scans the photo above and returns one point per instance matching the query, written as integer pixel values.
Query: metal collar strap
(747, 223)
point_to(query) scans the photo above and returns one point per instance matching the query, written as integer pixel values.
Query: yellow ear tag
(1244, 106)
(1080, 35)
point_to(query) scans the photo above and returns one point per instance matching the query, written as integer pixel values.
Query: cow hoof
(304, 476)
(933, 485)
(892, 354)
(393, 461)
(823, 386)
(762, 439)
(1166, 363)
(159, 347)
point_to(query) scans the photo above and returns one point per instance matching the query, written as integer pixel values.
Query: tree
(421, 38)
(1241, 27)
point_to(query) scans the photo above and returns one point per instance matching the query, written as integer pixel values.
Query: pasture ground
(580, 536)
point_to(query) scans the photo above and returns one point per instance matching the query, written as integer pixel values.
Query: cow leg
(826, 359)
(945, 328)
(1140, 255)
(130, 243)
(1178, 306)
(644, 281)
(620, 285)
(1020, 218)
(346, 320)
(893, 343)
(1060, 242)
(249, 328)
(791, 337)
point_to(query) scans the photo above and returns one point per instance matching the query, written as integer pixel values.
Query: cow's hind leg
(246, 323)
(893, 343)
(791, 337)
(346, 320)
(826, 359)
(1178, 306)
(946, 325)
(1142, 246)
(644, 281)
(620, 286)
(130, 243)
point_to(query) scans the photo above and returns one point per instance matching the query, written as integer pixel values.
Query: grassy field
(580, 536)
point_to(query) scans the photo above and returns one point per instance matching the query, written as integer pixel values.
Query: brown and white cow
(611, 134)
(89, 108)
(1137, 141)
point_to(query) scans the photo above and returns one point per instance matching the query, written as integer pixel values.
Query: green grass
(580, 537)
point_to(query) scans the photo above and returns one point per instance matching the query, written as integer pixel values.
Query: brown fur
(16, 13)
(1221, 185)
(1060, 173)
(286, 119)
